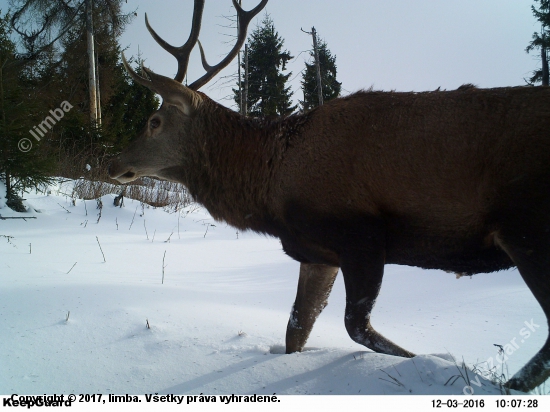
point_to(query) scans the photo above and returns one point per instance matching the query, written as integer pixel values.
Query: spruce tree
(330, 86)
(268, 93)
(22, 164)
(74, 141)
(129, 108)
(541, 41)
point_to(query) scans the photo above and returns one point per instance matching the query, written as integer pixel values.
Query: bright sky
(391, 44)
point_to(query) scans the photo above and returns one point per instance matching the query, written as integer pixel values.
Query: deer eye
(154, 123)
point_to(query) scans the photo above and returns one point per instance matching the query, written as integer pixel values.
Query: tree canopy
(541, 41)
(268, 93)
(330, 86)
(38, 77)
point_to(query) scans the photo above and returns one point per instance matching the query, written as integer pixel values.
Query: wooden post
(98, 93)
(545, 74)
(91, 63)
(318, 66)
(239, 66)
(245, 79)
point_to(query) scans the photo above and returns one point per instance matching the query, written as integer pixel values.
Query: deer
(454, 180)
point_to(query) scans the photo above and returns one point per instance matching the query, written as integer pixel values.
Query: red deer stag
(454, 180)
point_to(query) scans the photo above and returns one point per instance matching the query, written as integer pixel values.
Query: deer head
(159, 150)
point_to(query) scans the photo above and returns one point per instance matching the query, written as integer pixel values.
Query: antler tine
(182, 53)
(137, 78)
(244, 18)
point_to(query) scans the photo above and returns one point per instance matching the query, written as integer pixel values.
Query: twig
(100, 207)
(163, 267)
(449, 380)
(68, 314)
(392, 378)
(147, 323)
(119, 200)
(154, 233)
(64, 208)
(85, 208)
(9, 238)
(466, 378)
(207, 226)
(466, 372)
(72, 267)
(396, 384)
(101, 249)
(396, 370)
(417, 370)
(133, 219)
(146, 234)
(168, 240)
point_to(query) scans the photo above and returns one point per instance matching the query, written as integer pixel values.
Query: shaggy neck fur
(233, 162)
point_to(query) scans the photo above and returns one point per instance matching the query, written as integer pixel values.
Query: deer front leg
(363, 269)
(314, 286)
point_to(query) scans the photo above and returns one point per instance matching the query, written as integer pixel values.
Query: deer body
(456, 180)
(435, 190)
(436, 169)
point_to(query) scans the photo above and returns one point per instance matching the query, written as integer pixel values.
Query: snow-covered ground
(72, 323)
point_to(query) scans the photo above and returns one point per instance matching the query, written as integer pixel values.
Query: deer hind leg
(314, 286)
(363, 269)
(531, 254)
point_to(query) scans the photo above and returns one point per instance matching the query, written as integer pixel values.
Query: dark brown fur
(445, 189)
(455, 180)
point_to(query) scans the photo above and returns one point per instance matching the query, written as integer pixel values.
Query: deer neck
(232, 168)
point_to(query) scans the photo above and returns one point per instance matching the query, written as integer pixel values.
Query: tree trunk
(91, 63)
(9, 193)
(545, 74)
(318, 66)
(98, 96)
(3, 114)
(239, 66)
(245, 112)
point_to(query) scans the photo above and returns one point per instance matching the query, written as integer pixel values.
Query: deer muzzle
(120, 172)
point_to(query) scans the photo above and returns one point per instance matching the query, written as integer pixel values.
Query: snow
(72, 323)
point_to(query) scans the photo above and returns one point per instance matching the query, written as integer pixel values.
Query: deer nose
(112, 168)
(109, 169)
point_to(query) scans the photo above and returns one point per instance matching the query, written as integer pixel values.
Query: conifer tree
(268, 93)
(129, 108)
(21, 165)
(330, 86)
(75, 141)
(541, 41)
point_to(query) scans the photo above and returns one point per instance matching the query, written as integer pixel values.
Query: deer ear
(174, 93)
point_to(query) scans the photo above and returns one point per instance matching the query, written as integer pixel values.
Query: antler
(182, 53)
(244, 18)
